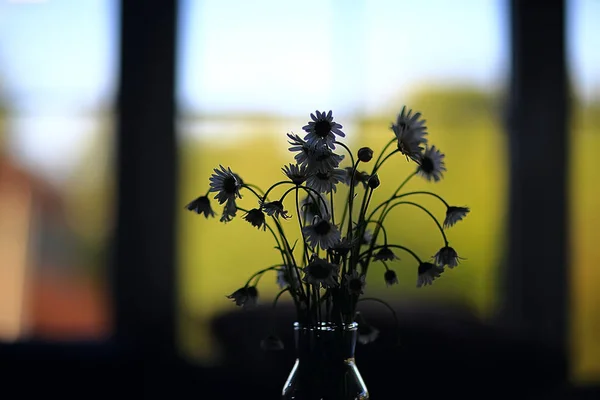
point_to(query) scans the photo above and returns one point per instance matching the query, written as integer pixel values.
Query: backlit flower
(322, 233)
(312, 206)
(229, 211)
(201, 205)
(316, 157)
(275, 209)
(385, 254)
(455, 214)
(296, 173)
(226, 184)
(325, 182)
(427, 273)
(319, 273)
(410, 130)
(355, 283)
(431, 164)
(256, 217)
(446, 256)
(322, 129)
(390, 277)
(245, 297)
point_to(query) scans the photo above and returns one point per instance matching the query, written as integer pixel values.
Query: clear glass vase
(325, 367)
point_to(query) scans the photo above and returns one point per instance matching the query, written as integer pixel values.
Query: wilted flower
(275, 208)
(322, 233)
(390, 277)
(226, 183)
(229, 211)
(319, 272)
(385, 254)
(410, 131)
(355, 282)
(431, 165)
(297, 174)
(256, 217)
(366, 332)
(271, 343)
(427, 273)
(446, 256)
(454, 214)
(201, 205)
(246, 296)
(322, 129)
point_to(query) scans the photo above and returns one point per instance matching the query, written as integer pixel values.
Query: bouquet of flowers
(325, 274)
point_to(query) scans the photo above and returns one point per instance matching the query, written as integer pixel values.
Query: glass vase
(325, 367)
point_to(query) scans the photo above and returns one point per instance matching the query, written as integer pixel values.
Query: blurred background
(247, 74)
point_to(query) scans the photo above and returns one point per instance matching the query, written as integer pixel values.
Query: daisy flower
(319, 272)
(427, 273)
(322, 129)
(455, 214)
(226, 183)
(297, 173)
(446, 256)
(201, 205)
(431, 164)
(229, 211)
(355, 283)
(359, 177)
(275, 209)
(312, 207)
(385, 254)
(322, 233)
(324, 182)
(256, 217)
(390, 277)
(245, 297)
(410, 131)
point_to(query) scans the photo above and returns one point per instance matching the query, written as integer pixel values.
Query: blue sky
(58, 58)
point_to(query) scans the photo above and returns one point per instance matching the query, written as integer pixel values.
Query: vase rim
(327, 326)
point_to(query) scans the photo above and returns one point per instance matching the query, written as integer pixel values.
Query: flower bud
(365, 154)
(373, 181)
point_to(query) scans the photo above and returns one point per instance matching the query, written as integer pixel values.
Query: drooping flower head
(410, 130)
(427, 273)
(455, 214)
(322, 129)
(246, 296)
(367, 333)
(256, 217)
(229, 211)
(390, 277)
(201, 205)
(385, 254)
(287, 276)
(226, 183)
(446, 256)
(321, 273)
(356, 177)
(275, 209)
(431, 164)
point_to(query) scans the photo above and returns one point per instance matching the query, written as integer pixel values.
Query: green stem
(279, 295)
(424, 209)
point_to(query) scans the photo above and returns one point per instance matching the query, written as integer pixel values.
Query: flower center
(322, 128)
(229, 185)
(319, 271)
(427, 165)
(322, 228)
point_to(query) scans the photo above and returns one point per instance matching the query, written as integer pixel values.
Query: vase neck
(327, 342)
